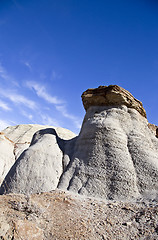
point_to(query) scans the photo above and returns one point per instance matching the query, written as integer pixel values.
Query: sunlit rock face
(38, 168)
(112, 95)
(14, 140)
(39, 165)
(7, 157)
(115, 155)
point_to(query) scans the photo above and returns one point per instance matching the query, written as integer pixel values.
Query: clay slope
(115, 155)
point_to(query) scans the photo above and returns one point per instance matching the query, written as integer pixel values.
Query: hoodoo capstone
(115, 155)
(112, 95)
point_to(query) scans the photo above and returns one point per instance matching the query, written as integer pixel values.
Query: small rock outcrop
(154, 129)
(115, 155)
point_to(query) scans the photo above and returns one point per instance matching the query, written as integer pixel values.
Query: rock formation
(112, 95)
(16, 139)
(154, 129)
(115, 155)
(21, 135)
(7, 158)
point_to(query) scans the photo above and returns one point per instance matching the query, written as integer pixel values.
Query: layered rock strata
(112, 95)
(115, 155)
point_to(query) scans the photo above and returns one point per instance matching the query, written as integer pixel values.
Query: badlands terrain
(101, 184)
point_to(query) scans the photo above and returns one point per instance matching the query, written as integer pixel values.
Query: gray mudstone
(21, 135)
(115, 155)
(14, 140)
(39, 168)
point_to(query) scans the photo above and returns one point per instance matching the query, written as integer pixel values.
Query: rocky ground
(59, 215)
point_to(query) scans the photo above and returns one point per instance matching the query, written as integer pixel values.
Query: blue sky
(51, 51)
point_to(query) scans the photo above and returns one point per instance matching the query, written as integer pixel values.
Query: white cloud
(62, 109)
(28, 115)
(18, 99)
(28, 65)
(3, 124)
(5, 76)
(55, 75)
(3, 73)
(41, 92)
(47, 120)
(4, 106)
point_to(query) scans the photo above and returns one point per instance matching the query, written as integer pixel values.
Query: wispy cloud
(47, 120)
(59, 104)
(3, 124)
(5, 76)
(3, 73)
(55, 75)
(41, 92)
(27, 115)
(18, 99)
(4, 106)
(62, 109)
(28, 65)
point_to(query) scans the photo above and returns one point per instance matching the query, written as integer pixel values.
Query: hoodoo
(115, 155)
